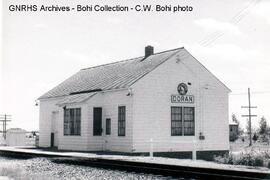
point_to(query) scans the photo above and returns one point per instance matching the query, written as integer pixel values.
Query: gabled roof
(111, 76)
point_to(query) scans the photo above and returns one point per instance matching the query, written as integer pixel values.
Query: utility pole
(4, 119)
(249, 116)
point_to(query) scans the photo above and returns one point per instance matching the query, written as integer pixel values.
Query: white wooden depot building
(168, 98)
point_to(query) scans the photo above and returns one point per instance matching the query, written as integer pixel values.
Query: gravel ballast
(44, 168)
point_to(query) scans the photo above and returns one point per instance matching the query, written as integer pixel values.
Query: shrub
(268, 164)
(226, 159)
(245, 159)
(220, 159)
(266, 154)
(248, 158)
(258, 161)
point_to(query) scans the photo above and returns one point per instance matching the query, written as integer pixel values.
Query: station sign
(182, 98)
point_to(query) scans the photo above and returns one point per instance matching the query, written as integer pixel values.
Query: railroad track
(165, 170)
(174, 171)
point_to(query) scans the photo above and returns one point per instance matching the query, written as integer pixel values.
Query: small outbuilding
(166, 101)
(233, 130)
(16, 137)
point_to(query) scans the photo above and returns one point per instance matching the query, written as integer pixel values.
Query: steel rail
(166, 170)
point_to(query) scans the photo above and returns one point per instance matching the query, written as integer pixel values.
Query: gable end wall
(152, 107)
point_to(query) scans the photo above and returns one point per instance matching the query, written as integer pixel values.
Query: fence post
(194, 155)
(151, 147)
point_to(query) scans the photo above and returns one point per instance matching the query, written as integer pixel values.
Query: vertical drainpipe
(201, 104)
(130, 94)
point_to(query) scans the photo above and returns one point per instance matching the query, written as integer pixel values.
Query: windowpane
(77, 124)
(108, 126)
(121, 121)
(72, 121)
(66, 121)
(176, 124)
(189, 121)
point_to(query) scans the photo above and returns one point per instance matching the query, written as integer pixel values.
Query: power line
(211, 38)
(235, 20)
(255, 92)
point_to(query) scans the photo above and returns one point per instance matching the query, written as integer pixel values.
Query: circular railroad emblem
(182, 89)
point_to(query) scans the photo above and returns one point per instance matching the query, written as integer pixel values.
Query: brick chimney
(149, 50)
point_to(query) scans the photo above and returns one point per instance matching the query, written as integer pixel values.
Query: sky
(41, 49)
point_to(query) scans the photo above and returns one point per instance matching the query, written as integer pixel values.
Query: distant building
(168, 97)
(16, 137)
(2, 140)
(233, 126)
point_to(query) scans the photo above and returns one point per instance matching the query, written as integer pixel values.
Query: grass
(240, 146)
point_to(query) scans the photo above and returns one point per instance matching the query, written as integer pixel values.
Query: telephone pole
(249, 116)
(4, 118)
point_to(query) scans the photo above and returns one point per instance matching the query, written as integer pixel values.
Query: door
(54, 128)
(107, 134)
(52, 139)
(97, 121)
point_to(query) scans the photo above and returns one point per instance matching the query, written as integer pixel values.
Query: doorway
(54, 129)
(52, 140)
(97, 121)
(107, 134)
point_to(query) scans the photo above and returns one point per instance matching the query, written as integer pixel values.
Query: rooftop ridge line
(130, 59)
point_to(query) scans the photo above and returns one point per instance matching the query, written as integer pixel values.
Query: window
(72, 121)
(176, 116)
(108, 126)
(182, 121)
(121, 121)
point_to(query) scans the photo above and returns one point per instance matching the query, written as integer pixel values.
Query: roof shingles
(116, 75)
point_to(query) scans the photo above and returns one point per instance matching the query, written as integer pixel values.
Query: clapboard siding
(74, 142)
(148, 111)
(152, 107)
(46, 108)
(109, 101)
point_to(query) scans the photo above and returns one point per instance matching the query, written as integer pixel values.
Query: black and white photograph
(134, 90)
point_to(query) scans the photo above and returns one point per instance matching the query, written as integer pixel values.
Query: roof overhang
(76, 98)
